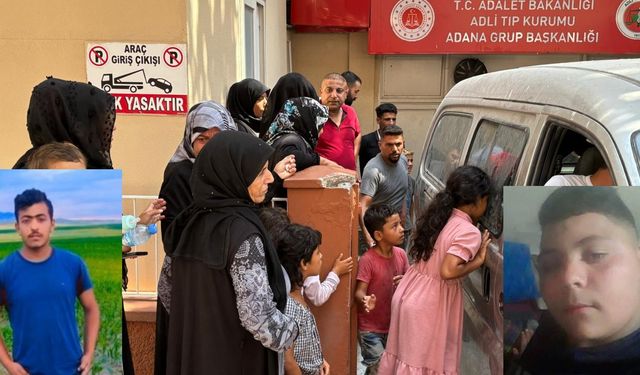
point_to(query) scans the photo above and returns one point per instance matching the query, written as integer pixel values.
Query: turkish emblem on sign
(411, 21)
(628, 19)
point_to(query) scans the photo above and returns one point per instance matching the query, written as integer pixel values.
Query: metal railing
(144, 270)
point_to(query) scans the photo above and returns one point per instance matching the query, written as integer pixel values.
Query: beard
(349, 100)
(393, 159)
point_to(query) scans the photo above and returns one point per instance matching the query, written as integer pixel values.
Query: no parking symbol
(98, 56)
(172, 57)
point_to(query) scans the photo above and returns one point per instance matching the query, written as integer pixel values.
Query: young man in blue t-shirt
(39, 286)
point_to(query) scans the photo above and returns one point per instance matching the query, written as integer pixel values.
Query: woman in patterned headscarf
(289, 86)
(73, 112)
(295, 131)
(204, 121)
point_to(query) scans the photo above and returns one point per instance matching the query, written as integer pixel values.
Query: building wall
(41, 39)
(316, 54)
(276, 42)
(50, 39)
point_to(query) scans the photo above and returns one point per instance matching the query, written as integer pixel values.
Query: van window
(497, 149)
(636, 139)
(446, 145)
(560, 152)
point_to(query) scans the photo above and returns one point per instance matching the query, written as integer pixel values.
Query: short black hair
(274, 220)
(598, 160)
(376, 216)
(351, 77)
(569, 201)
(385, 108)
(30, 197)
(392, 130)
(297, 243)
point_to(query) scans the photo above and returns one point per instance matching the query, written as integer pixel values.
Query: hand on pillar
(324, 370)
(342, 266)
(286, 167)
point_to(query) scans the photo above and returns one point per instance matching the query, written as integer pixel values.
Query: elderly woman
(73, 112)
(295, 132)
(246, 102)
(204, 121)
(228, 290)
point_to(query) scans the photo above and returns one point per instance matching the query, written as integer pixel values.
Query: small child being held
(301, 257)
(379, 272)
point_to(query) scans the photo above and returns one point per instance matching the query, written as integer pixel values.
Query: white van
(523, 126)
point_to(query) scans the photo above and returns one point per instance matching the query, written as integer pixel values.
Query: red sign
(149, 103)
(328, 15)
(504, 26)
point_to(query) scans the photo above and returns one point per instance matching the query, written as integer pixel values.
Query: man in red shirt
(340, 137)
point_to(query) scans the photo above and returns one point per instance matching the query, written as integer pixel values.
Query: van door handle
(430, 191)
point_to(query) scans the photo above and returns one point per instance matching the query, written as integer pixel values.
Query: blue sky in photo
(93, 194)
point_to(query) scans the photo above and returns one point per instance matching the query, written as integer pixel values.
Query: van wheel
(106, 88)
(133, 88)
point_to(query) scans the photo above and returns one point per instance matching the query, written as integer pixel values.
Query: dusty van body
(523, 126)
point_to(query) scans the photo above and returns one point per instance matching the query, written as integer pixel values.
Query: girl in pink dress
(425, 335)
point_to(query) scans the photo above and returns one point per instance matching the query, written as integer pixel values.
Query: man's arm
(356, 152)
(92, 325)
(13, 368)
(365, 202)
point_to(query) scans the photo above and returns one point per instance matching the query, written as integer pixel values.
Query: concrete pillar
(326, 199)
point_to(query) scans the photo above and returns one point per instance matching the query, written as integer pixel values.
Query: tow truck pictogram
(133, 82)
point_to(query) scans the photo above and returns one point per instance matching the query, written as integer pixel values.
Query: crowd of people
(239, 277)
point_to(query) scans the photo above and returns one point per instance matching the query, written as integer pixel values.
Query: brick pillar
(327, 199)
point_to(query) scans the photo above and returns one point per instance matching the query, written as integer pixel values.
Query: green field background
(100, 247)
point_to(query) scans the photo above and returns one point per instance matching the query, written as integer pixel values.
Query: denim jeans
(372, 345)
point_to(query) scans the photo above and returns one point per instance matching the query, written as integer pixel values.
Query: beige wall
(316, 54)
(50, 39)
(38, 41)
(276, 50)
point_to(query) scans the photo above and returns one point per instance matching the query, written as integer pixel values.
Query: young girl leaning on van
(301, 257)
(447, 246)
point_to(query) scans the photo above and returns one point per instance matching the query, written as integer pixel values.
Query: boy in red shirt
(379, 272)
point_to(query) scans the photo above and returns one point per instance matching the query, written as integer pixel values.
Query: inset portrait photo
(60, 271)
(572, 280)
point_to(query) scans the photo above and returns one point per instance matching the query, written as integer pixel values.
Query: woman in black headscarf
(290, 85)
(295, 131)
(246, 102)
(228, 290)
(204, 121)
(83, 115)
(74, 112)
